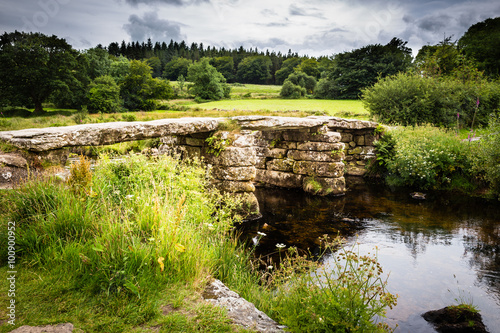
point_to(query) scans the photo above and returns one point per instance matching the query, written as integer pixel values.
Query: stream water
(438, 250)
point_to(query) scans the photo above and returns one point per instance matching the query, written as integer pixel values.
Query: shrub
(410, 99)
(297, 85)
(103, 95)
(425, 157)
(343, 295)
(486, 157)
(290, 90)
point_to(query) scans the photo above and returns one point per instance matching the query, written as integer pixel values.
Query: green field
(341, 108)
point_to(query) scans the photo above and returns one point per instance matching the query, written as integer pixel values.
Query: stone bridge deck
(43, 139)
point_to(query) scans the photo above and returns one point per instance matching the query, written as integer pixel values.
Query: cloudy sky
(312, 27)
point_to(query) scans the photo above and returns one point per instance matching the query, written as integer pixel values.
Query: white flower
(270, 267)
(261, 234)
(280, 245)
(129, 196)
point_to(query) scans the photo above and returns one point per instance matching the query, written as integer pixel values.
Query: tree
(33, 66)
(310, 67)
(98, 61)
(139, 89)
(103, 95)
(119, 69)
(206, 82)
(225, 66)
(254, 69)
(436, 60)
(286, 69)
(176, 67)
(352, 71)
(482, 43)
(155, 64)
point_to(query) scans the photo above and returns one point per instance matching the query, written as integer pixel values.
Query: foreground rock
(241, 311)
(454, 319)
(60, 328)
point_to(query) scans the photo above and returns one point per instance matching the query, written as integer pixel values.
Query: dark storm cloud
(167, 2)
(295, 10)
(151, 26)
(434, 23)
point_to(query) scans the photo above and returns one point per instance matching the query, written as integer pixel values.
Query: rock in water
(455, 319)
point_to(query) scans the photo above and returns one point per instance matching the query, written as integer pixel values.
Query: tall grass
(111, 242)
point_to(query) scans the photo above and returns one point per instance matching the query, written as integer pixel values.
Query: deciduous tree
(33, 66)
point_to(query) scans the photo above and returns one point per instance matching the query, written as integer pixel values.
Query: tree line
(35, 68)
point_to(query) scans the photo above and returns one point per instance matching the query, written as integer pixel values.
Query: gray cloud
(167, 2)
(434, 23)
(150, 26)
(295, 10)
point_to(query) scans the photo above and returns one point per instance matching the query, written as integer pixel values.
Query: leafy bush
(290, 90)
(297, 85)
(426, 157)
(206, 82)
(486, 157)
(326, 89)
(410, 99)
(342, 296)
(103, 95)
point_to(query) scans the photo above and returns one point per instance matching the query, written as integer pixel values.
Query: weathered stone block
(192, 152)
(278, 178)
(233, 186)
(320, 169)
(260, 162)
(233, 173)
(318, 156)
(243, 140)
(303, 136)
(357, 150)
(275, 152)
(346, 137)
(195, 142)
(284, 144)
(320, 146)
(353, 170)
(233, 156)
(324, 186)
(370, 139)
(279, 164)
(360, 140)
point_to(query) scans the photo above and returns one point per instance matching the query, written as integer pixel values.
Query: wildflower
(129, 196)
(261, 234)
(280, 245)
(160, 261)
(210, 226)
(179, 247)
(270, 267)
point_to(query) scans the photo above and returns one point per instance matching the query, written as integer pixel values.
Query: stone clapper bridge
(312, 153)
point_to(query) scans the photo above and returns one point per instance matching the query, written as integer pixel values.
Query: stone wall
(315, 159)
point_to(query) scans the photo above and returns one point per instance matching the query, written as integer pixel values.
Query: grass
(130, 246)
(188, 108)
(339, 108)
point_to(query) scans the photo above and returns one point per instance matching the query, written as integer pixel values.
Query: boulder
(60, 328)
(455, 319)
(241, 311)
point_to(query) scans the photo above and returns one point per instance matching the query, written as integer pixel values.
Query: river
(437, 251)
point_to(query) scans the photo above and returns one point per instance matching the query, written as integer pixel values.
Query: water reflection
(438, 250)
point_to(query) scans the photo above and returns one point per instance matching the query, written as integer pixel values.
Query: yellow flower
(180, 247)
(160, 261)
